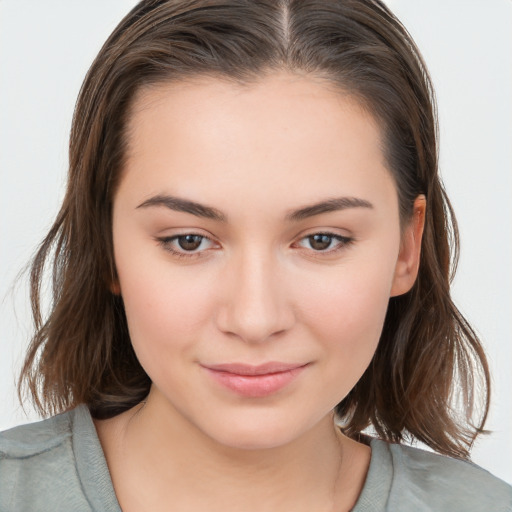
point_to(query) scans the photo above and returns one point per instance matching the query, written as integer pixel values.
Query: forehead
(290, 133)
(273, 104)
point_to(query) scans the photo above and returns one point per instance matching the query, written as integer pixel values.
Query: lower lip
(255, 386)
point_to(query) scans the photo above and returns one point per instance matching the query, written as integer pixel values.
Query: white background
(46, 48)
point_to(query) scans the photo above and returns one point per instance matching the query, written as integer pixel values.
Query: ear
(408, 261)
(115, 288)
(113, 283)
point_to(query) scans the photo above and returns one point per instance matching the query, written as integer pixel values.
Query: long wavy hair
(429, 379)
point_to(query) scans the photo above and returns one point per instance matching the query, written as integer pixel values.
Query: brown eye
(327, 243)
(189, 242)
(188, 245)
(320, 242)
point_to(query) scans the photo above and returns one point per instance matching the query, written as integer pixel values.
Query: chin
(260, 431)
(251, 439)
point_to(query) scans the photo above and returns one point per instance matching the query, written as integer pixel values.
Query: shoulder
(36, 438)
(430, 481)
(51, 463)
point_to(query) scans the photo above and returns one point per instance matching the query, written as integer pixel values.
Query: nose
(255, 304)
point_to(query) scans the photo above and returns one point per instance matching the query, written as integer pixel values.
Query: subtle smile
(255, 381)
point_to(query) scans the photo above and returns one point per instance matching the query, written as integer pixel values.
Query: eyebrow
(330, 205)
(200, 210)
(184, 205)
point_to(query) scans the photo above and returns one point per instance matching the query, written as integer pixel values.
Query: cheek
(346, 314)
(351, 297)
(165, 309)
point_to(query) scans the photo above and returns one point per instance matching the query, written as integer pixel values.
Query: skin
(256, 290)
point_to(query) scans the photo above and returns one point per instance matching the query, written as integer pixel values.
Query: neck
(158, 457)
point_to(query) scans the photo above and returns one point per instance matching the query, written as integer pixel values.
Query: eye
(188, 244)
(325, 242)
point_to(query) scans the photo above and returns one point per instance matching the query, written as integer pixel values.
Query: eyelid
(166, 241)
(343, 241)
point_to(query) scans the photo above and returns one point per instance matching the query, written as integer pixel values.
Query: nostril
(254, 323)
(253, 304)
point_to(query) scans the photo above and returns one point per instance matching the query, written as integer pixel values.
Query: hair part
(428, 358)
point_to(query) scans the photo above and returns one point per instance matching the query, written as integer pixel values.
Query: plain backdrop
(46, 48)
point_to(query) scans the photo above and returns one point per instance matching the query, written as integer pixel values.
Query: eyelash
(343, 242)
(165, 242)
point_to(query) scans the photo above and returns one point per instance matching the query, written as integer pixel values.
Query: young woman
(251, 266)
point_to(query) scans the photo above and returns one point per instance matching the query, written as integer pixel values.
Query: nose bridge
(256, 305)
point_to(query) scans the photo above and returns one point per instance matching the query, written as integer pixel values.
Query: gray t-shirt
(58, 465)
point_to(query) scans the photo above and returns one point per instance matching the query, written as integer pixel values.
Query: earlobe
(113, 283)
(408, 261)
(114, 287)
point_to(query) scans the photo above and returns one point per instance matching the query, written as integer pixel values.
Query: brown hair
(428, 356)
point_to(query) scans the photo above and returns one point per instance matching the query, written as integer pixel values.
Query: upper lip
(249, 369)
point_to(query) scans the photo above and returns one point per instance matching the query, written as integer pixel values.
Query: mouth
(255, 381)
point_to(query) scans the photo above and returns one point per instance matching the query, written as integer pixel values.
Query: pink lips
(255, 381)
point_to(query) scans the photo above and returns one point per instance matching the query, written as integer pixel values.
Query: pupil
(190, 242)
(320, 242)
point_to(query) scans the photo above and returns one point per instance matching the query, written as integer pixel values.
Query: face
(257, 242)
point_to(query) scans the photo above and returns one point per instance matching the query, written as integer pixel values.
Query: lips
(255, 381)
(247, 369)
